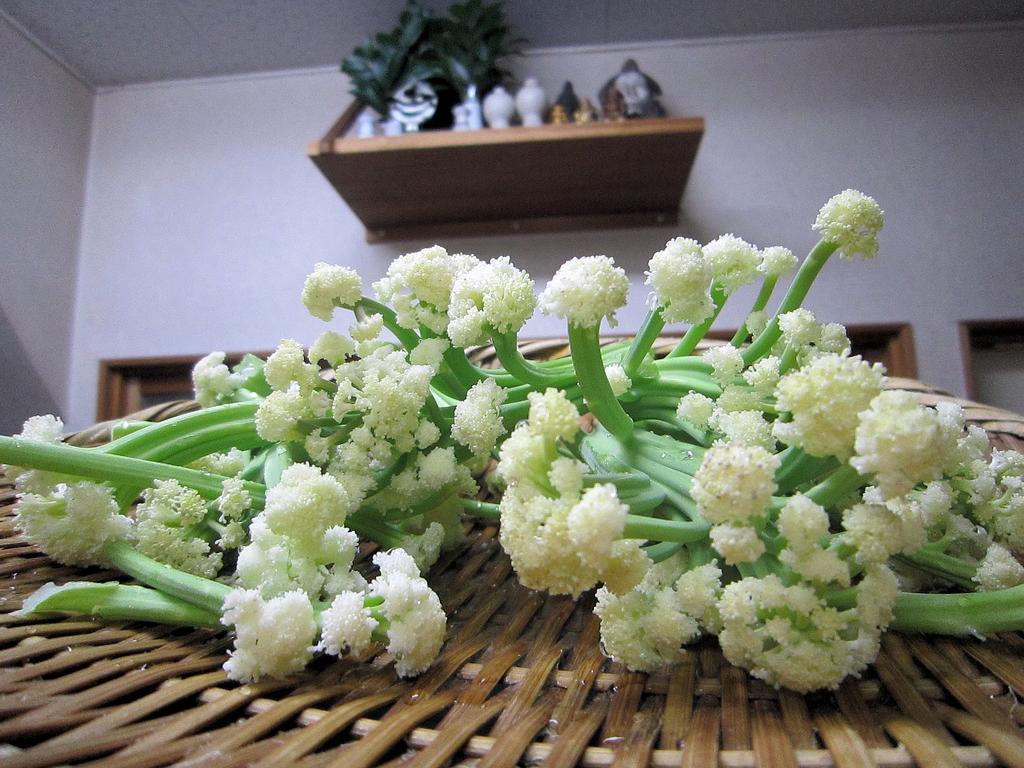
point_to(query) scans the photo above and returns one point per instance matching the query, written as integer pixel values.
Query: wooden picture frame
(129, 384)
(986, 334)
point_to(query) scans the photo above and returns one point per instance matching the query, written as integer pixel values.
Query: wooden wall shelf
(439, 184)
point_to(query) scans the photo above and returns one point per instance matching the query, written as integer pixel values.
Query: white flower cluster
(560, 537)
(478, 423)
(73, 523)
(733, 488)
(419, 286)
(788, 635)
(901, 442)
(733, 262)
(330, 286)
(36, 429)
(852, 220)
(825, 399)
(273, 638)
(993, 490)
(298, 541)
(681, 278)
(167, 528)
(682, 274)
(415, 620)
(212, 380)
(586, 290)
(489, 297)
(647, 626)
(805, 526)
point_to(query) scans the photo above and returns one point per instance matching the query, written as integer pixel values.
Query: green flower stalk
(117, 602)
(585, 291)
(769, 491)
(275, 636)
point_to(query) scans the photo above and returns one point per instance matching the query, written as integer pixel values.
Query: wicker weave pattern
(521, 680)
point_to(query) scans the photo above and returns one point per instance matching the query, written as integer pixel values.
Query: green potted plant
(470, 42)
(387, 60)
(456, 56)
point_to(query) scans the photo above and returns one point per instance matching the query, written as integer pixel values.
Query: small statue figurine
(613, 106)
(461, 114)
(499, 107)
(413, 103)
(567, 101)
(530, 103)
(585, 113)
(638, 91)
(366, 125)
(557, 115)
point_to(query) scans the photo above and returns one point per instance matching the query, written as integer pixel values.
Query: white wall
(204, 215)
(45, 115)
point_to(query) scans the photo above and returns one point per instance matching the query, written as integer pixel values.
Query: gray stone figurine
(633, 92)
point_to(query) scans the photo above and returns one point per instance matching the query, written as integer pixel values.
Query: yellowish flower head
(696, 409)
(330, 286)
(726, 363)
(901, 443)
(734, 483)
(776, 261)
(491, 296)
(418, 286)
(273, 638)
(852, 220)
(681, 278)
(733, 262)
(825, 399)
(478, 423)
(585, 290)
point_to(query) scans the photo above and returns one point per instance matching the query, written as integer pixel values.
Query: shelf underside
(552, 178)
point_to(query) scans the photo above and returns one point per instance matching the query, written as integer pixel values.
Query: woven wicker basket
(521, 680)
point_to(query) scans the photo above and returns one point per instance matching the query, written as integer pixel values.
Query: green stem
(963, 614)
(637, 526)
(666, 424)
(586, 352)
(215, 439)
(792, 300)
(459, 367)
(119, 470)
(369, 526)
(789, 360)
(507, 348)
(688, 364)
(693, 336)
(944, 566)
(117, 602)
(799, 467)
(837, 486)
(184, 451)
(678, 386)
(126, 427)
(976, 613)
(669, 452)
(767, 288)
(204, 593)
(645, 501)
(625, 482)
(655, 529)
(484, 509)
(652, 326)
(662, 551)
(675, 484)
(153, 436)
